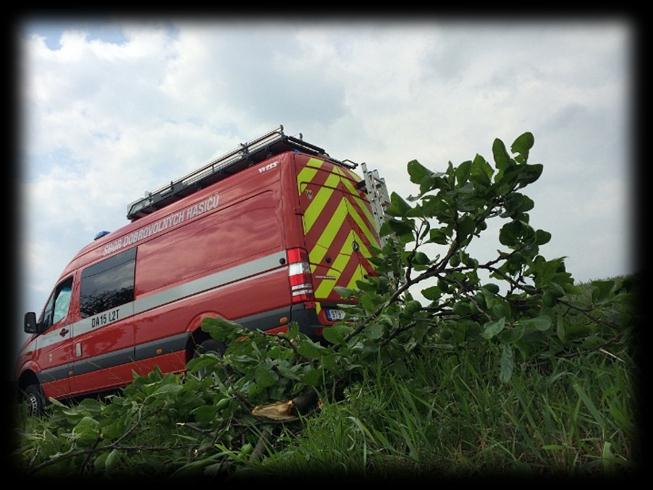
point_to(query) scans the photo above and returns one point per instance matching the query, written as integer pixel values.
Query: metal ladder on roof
(377, 194)
(246, 155)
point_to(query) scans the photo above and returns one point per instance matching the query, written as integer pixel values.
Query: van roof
(247, 154)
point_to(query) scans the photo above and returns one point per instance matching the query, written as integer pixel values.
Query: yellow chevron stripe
(329, 233)
(372, 239)
(327, 285)
(318, 308)
(352, 190)
(366, 211)
(345, 254)
(306, 175)
(316, 206)
(354, 175)
(357, 276)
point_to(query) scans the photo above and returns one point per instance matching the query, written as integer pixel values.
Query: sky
(113, 109)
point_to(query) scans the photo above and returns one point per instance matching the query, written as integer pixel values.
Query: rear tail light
(299, 276)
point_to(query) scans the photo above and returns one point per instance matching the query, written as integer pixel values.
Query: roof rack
(246, 155)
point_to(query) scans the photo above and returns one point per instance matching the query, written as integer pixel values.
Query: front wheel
(34, 400)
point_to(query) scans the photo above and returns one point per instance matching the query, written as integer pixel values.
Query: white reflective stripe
(304, 290)
(52, 338)
(103, 319)
(208, 282)
(301, 286)
(161, 298)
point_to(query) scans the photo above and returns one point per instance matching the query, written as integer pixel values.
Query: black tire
(35, 401)
(209, 345)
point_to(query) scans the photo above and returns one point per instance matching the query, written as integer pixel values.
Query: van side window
(108, 284)
(62, 302)
(57, 307)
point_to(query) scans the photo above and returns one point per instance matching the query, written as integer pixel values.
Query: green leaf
(542, 237)
(168, 389)
(511, 233)
(506, 364)
(336, 334)
(516, 203)
(491, 329)
(523, 144)
(481, 171)
(344, 292)
(462, 172)
(112, 459)
(501, 157)
(369, 302)
(374, 331)
(288, 372)
(205, 414)
(541, 323)
(433, 207)
(265, 377)
(400, 228)
(398, 207)
(312, 377)
(417, 172)
(205, 360)
(466, 226)
(385, 229)
(601, 290)
(420, 258)
(87, 429)
(492, 288)
(412, 307)
(221, 329)
(433, 293)
(439, 236)
(529, 173)
(310, 349)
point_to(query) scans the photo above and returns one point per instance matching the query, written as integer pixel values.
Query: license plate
(335, 315)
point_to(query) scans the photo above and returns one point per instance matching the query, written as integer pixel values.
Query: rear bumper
(307, 320)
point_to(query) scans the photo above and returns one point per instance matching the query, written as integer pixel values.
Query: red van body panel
(222, 250)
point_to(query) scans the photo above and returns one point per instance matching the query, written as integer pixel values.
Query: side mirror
(31, 326)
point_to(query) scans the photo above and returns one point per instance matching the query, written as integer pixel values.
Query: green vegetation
(529, 372)
(446, 414)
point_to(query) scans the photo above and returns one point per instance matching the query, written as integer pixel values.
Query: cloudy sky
(113, 109)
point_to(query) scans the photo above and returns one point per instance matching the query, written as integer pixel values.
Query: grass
(451, 416)
(445, 413)
(454, 418)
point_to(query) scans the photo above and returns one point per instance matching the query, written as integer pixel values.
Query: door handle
(63, 331)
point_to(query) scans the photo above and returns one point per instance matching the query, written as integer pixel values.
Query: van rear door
(338, 226)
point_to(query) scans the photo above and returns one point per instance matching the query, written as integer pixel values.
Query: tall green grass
(453, 417)
(449, 415)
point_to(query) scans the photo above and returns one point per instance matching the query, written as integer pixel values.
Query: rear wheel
(34, 400)
(209, 345)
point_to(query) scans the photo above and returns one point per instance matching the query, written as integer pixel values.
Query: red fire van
(260, 236)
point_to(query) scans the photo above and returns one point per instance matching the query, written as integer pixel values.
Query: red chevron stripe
(347, 274)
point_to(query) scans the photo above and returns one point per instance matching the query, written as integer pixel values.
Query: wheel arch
(197, 335)
(27, 377)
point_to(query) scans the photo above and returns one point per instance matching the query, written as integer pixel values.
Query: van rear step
(248, 154)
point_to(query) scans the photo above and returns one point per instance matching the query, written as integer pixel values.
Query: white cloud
(105, 121)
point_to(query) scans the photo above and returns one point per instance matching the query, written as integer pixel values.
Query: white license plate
(335, 315)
